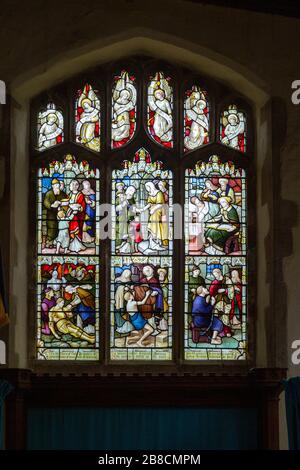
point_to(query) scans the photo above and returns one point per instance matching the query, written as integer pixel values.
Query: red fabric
(68, 295)
(119, 144)
(137, 228)
(215, 286)
(227, 330)
(238, 299)
(241, 141)
(66, 269)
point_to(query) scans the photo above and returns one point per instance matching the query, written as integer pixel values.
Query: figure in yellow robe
(157, 226)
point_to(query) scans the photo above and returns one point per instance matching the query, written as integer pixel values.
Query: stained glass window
(87, 118)
(141, 264)
(149, 127)
(124, 102)
(50, 127)
(233, 128)
(215, 262)
(196, 119)
(68, 268)
(160, 109)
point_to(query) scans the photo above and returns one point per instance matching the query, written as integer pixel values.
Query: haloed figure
(50, 132)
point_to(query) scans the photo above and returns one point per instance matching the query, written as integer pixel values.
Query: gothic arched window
(142, 174)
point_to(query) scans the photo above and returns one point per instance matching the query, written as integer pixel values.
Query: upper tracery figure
(50, 127)
(88, 118)
(124, 99)
(196, 119)
(233, 128)
(160, 109)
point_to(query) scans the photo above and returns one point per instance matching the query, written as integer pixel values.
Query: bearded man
(52, 201)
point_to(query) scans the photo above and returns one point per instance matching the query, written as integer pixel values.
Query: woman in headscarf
(210, 195)
(157, 228)
(123, 325)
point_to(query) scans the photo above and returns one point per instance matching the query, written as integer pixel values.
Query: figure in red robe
(218, 289)
(76, 213)
(235, 315)
(77, 204)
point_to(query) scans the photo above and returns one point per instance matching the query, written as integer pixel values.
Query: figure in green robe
(52, 201)
(226, 224)
(125, 209)
(195, 280)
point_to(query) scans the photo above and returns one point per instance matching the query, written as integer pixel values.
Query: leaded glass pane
(68, 270)
(215, 262)
(141, 263)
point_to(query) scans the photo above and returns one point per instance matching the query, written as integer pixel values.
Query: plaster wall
(257, 54)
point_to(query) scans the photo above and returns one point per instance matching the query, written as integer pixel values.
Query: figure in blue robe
(202, 313)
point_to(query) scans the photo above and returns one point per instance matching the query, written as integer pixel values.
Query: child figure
(135, 234)
(138, 321)
(63, 237)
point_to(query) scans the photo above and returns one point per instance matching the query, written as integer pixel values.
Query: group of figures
(142, 262)
(67, 207)
(67, 305)
(160, 121)
(142, 195)
(215, 303)
(216, 212)
(141, 303)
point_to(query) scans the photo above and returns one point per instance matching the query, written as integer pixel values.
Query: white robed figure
(123, 101)
(86, 126)
(195, 105)
(51, 125)
(234, 125)
(160, 102)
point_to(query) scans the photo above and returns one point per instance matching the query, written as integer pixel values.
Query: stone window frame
(174, 159)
